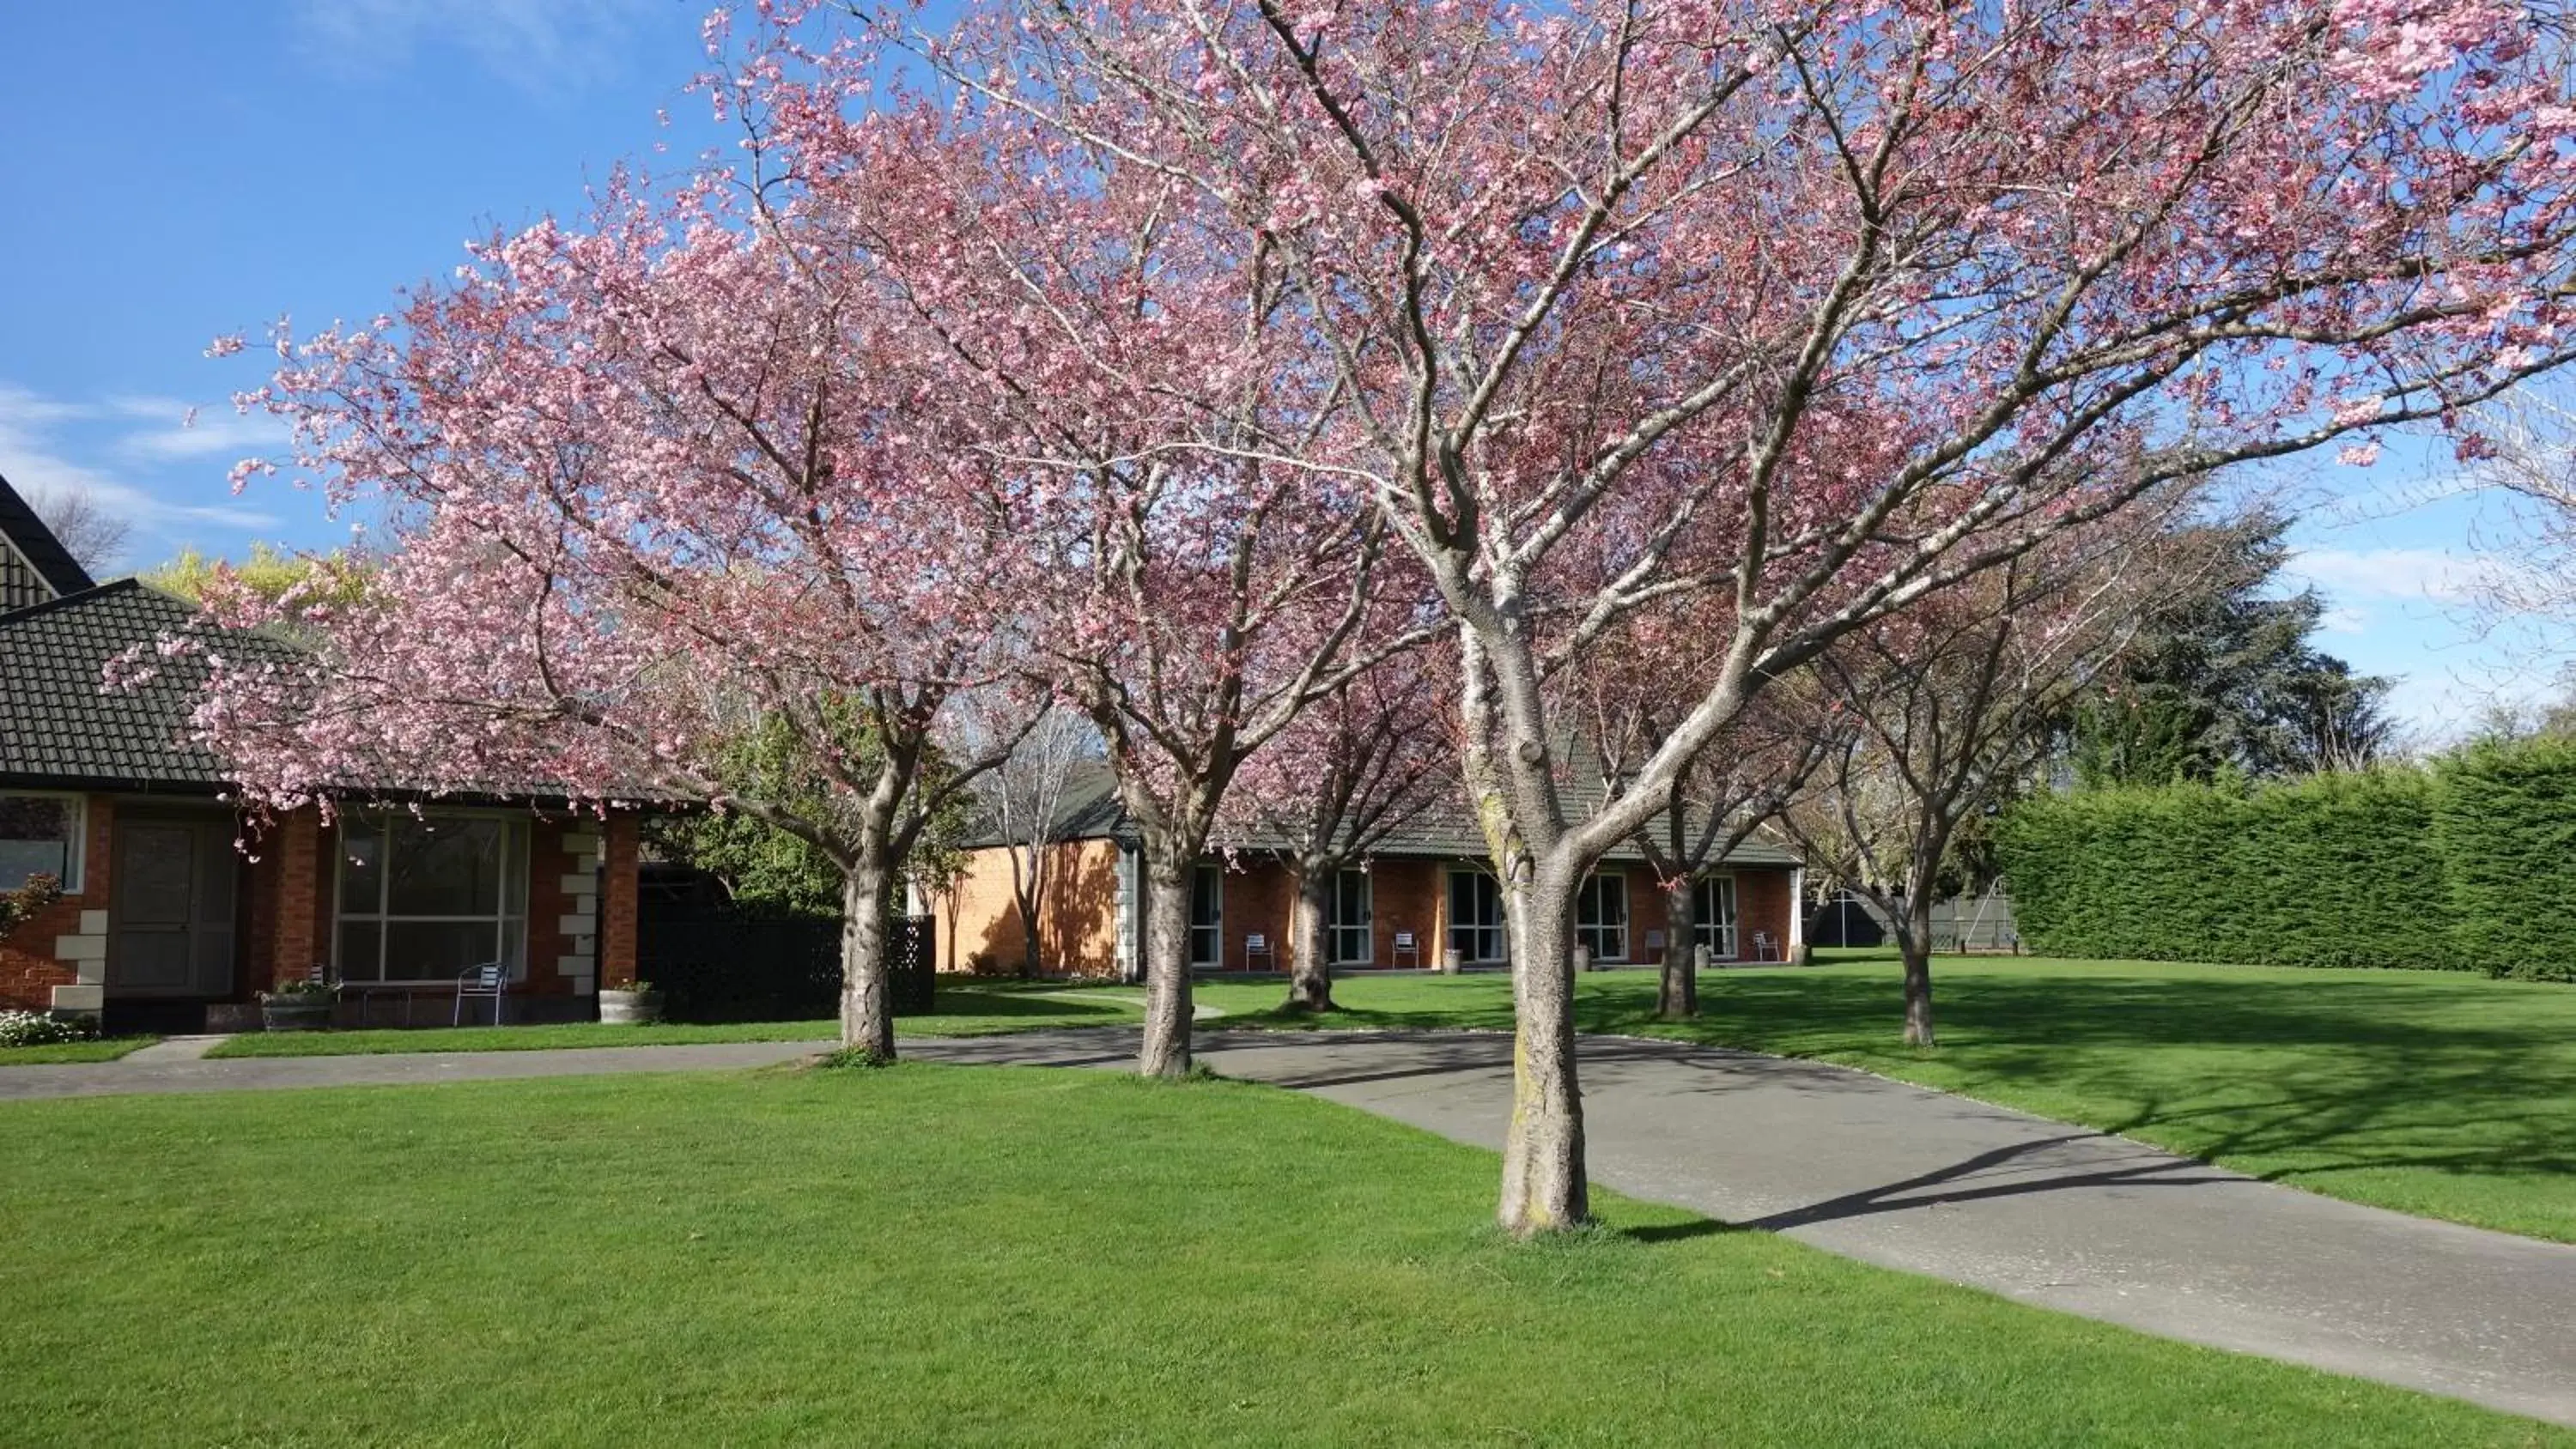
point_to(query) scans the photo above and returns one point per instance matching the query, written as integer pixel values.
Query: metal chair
(491, 979)
(1764, 948)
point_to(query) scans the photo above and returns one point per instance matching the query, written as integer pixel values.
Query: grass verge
(962, 1011)
(105, 1050)
(987, 1256)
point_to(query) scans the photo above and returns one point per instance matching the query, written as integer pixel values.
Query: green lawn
(2435, 1093)
(963, 1011)
(106, 1050)
(960, 1256)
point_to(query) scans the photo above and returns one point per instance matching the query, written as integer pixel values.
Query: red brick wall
(617, 902)
(28, 970)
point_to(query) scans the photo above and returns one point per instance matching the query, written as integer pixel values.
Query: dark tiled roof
(24, 533)
(60, 726)
(1090, 811)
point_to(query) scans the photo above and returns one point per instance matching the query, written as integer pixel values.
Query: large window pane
(1476, 929)
(362, 950)
(1207, 916)
(1713, 915)
(1601, 916)
(362, 866)
(1351, 944)
(423, 899)
(445, 867)
(39, 835)
(428, 950)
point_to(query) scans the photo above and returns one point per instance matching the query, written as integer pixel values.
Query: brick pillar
(295, 844)
(617, 903)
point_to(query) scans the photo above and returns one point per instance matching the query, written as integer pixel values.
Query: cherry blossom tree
(1189, 580)
(1807, 312)
(663, 523)
(1628, 692)
(1944, 713)
(1361, 765)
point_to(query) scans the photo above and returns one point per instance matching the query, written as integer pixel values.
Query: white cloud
(537, 44)
(2436, 575)
(2344, 621)
(36, 457)
(181, 430)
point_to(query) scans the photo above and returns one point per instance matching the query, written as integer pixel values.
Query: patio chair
(1765, 948)
(491, 979)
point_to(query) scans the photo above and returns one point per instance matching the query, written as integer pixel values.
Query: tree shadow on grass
(2292, 1079)
(973, 1002)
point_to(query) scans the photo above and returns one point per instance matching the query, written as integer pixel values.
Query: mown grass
(962, 1011)
(106, 1049)
(2434, 1093)
(987, 1256)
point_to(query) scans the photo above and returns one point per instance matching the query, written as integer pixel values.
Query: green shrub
(35, 1028)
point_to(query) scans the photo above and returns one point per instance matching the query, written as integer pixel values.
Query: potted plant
(634, 1005)
(298, 1005)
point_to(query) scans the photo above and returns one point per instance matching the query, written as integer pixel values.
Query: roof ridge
(83, 596)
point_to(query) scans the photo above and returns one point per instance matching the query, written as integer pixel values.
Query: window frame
(75, 875)
(1499, 931)
(518, 852)
(1591, 929)
(1337, 927)
(1215, 928)
(1726, 943)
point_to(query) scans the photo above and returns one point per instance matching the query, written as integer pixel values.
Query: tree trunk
(1027, 892)
(1310, 965)
(867, 1009)
(1914, 943)
(1677, 995)
(1166, 1052)
(1543, 1185)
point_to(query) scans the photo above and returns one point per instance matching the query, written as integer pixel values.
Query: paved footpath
(2034, 1210)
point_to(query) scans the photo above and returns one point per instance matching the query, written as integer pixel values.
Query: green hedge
(2504, 820)
(2468, 866)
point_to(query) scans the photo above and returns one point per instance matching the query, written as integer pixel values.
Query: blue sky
(195, 169)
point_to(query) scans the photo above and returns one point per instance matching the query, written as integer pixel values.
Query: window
(1207, 916)
(41, 835)
(1713, 915)
(1601, 916)
(426, 898)
(1351, 943)
(1476, 916)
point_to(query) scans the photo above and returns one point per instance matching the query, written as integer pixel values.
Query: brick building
(1427, 890)
(175, 905)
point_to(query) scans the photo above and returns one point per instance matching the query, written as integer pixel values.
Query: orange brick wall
(979, 917)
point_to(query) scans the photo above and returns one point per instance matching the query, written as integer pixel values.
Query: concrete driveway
(2032, 1209)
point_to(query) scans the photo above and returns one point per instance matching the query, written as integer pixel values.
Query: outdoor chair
(1764, 948)
(491, 979)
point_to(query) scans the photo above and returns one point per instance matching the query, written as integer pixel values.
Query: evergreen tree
(2228, 679)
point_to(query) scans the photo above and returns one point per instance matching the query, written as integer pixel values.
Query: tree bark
(867, 1014)
(1543, 1183)
(1677, 995)
(1025, 889)
(1310, 966)
(1914, 943)
(1166, 1052)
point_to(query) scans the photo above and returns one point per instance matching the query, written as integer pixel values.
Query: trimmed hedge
(2468, 866)
(2504, 820)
